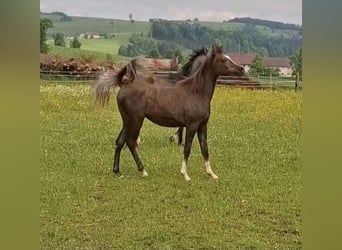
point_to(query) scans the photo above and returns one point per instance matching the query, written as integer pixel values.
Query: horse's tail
(113, 79)
(103, 85)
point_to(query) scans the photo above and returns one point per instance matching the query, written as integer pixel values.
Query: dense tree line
(141, 45)
(270, 24)
(64, 17)
(245, 40)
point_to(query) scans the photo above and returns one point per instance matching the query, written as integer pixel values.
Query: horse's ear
(213, 50)
(216, 50)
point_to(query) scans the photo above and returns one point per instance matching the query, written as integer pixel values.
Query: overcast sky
(288, 11)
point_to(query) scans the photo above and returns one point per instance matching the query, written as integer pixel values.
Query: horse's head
(224, 65)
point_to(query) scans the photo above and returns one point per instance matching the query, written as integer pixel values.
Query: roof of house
(247, 59)
(277, 62)
(242, 59)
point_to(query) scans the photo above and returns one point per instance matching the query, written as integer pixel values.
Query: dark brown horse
(185, 104)
(129, 72)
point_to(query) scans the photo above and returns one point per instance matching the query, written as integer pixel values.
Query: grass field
(109, 46)
(255, 147)
(101, 46)
(82, 53)
(95, 25)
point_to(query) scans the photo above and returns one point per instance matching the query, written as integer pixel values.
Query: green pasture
(255, 148)
(108, 46)
(83, 54)
(101, 46)
(95, 25)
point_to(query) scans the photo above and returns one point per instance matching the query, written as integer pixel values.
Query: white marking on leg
(138, 141)
(209, 170)
(183, 171)
(144, 173)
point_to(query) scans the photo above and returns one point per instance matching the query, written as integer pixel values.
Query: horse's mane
(186, 69)
(197, 78)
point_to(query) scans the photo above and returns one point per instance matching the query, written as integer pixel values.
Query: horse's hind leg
(173, 137)
(131, 143)
(180, 135)
(120, 142)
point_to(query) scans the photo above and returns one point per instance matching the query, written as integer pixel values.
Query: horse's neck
(209, 83)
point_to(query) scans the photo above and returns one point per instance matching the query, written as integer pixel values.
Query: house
(244, 60)
(283, 63)
(88, 35)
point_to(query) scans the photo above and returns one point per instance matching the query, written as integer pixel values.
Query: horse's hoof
(214, 176)
(186, 176)
(144, 173)
(117, 173)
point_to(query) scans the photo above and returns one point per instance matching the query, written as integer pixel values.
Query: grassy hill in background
(123, 29)
(95, 25)
(103, 25)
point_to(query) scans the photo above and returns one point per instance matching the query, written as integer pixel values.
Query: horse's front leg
(189, 136)
(202, 138)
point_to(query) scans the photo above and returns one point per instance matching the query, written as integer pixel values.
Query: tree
(45, 24)
(159, 31)
(75, 43)
(59, 39)
(112, 23)
(271, 71)
(131, 18)
(170, 54)
(123, 50)
(257, 66)
(154, 53)
(179, 54)
(296, 62)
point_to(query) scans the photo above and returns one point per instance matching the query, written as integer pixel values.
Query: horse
(113, 78)
(145, 98)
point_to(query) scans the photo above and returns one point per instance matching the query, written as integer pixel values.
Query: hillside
(246, 35)
(78, 25)
(103, 25)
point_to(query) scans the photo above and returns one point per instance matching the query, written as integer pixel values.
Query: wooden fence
(252, 82)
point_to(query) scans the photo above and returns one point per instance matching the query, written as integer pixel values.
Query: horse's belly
(165, 121)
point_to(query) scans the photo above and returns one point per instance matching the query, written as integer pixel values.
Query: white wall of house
(285, 71)
(247, 68)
